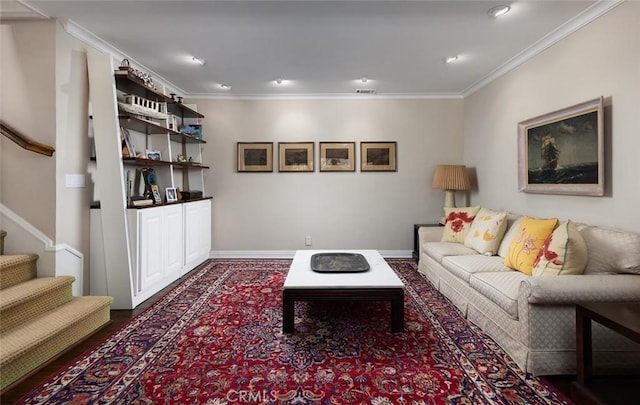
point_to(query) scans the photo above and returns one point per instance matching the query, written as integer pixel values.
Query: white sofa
(533, 317)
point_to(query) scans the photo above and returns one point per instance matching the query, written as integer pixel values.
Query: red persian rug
(217, 339)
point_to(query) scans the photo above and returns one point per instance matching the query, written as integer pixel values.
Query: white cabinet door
(197, 233)
(151, 257)
(174, 244)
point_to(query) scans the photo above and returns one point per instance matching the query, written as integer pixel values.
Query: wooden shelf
(151, 128)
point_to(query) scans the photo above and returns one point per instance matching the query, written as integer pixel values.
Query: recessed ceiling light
(497, 11)
(364, 79)
(225, 87)
(450, 59)
(198, 61)
(279, 80)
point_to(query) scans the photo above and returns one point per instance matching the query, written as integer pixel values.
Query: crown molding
(321, 96)
(590, 14)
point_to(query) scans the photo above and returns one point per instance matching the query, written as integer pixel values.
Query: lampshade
(451, 177)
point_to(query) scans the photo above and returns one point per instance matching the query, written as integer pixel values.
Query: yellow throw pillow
(458, 222)
(564, 252)
(528, 240)
(486, 231)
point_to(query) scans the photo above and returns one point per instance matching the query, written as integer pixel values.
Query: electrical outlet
(307, 240)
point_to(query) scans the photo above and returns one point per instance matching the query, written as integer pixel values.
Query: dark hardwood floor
(120, 317)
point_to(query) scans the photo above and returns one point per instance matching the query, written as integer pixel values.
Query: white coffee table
(379, 283)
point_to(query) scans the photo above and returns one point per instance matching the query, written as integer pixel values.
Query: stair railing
(24, 142)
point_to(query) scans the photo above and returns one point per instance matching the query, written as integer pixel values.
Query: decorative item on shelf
(179, 100)
(154, 155)
(181, 158)
(178, 194)
(451, 178)
(141, 106)
(125, 65)
(191, 194)
(170, 193)
(128, 149)
(194, 130)
(152, 190)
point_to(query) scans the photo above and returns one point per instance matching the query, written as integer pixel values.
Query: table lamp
(451, 178)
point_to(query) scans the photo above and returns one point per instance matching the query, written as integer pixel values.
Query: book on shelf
(142, 203)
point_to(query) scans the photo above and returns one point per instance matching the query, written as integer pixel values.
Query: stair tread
(28, 335)
(11, 260)
(20, 293)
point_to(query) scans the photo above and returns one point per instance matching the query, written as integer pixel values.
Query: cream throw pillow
(564, 252)
(527, 242)
(458, 222)
(486, 231)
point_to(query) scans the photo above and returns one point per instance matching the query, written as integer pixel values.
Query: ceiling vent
(365, 91)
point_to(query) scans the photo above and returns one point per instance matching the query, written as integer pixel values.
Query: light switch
(74, 180)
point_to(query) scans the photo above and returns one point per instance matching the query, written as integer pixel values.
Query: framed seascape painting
(255, 156)
(563, 152)
(295, 156)
(378, 157)
(337, 156)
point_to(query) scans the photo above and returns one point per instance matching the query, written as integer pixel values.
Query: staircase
(39, 317)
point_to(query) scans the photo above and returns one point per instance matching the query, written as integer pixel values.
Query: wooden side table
(621, 317)
(416, 239)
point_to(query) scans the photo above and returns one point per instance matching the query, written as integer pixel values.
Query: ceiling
(321, 48)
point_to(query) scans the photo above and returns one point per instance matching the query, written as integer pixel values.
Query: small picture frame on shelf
(170, 192)
(154, 155)
(155, 191)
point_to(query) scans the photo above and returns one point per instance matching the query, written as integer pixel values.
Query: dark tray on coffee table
(339, 263)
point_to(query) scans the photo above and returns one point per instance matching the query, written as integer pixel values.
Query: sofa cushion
(513, 223)
(611, 251)
(564, 252)
(500, 287)
(439, 250)
(524, 248)
(486, 231)
(458, 222)
(464, 266)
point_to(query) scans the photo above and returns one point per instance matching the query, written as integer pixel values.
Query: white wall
(275, 211)
(28, 104)
(601, 59)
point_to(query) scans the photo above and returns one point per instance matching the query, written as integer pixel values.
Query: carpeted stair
(39, 317)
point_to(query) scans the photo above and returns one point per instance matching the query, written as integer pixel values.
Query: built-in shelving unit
(136, 250)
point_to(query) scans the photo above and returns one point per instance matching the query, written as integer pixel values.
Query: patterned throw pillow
(527, 242)
(486, 231)
(458, 222)
(564, 252)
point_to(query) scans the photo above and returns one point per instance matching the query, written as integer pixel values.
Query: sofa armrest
(430, 234)
(572, 289)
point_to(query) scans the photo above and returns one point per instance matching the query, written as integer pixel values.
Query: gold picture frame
(378, 157)
(255, 156)
(562, 152)
(296, 156)
(337, 156)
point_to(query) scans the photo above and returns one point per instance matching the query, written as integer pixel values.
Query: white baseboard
(288, 254)
(54, 260)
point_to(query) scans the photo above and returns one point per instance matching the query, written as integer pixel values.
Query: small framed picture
(295, 156)
(170, 192)
(337, 156)
(155, 191)
(378, 157)
(255, 156)
(154, 155)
